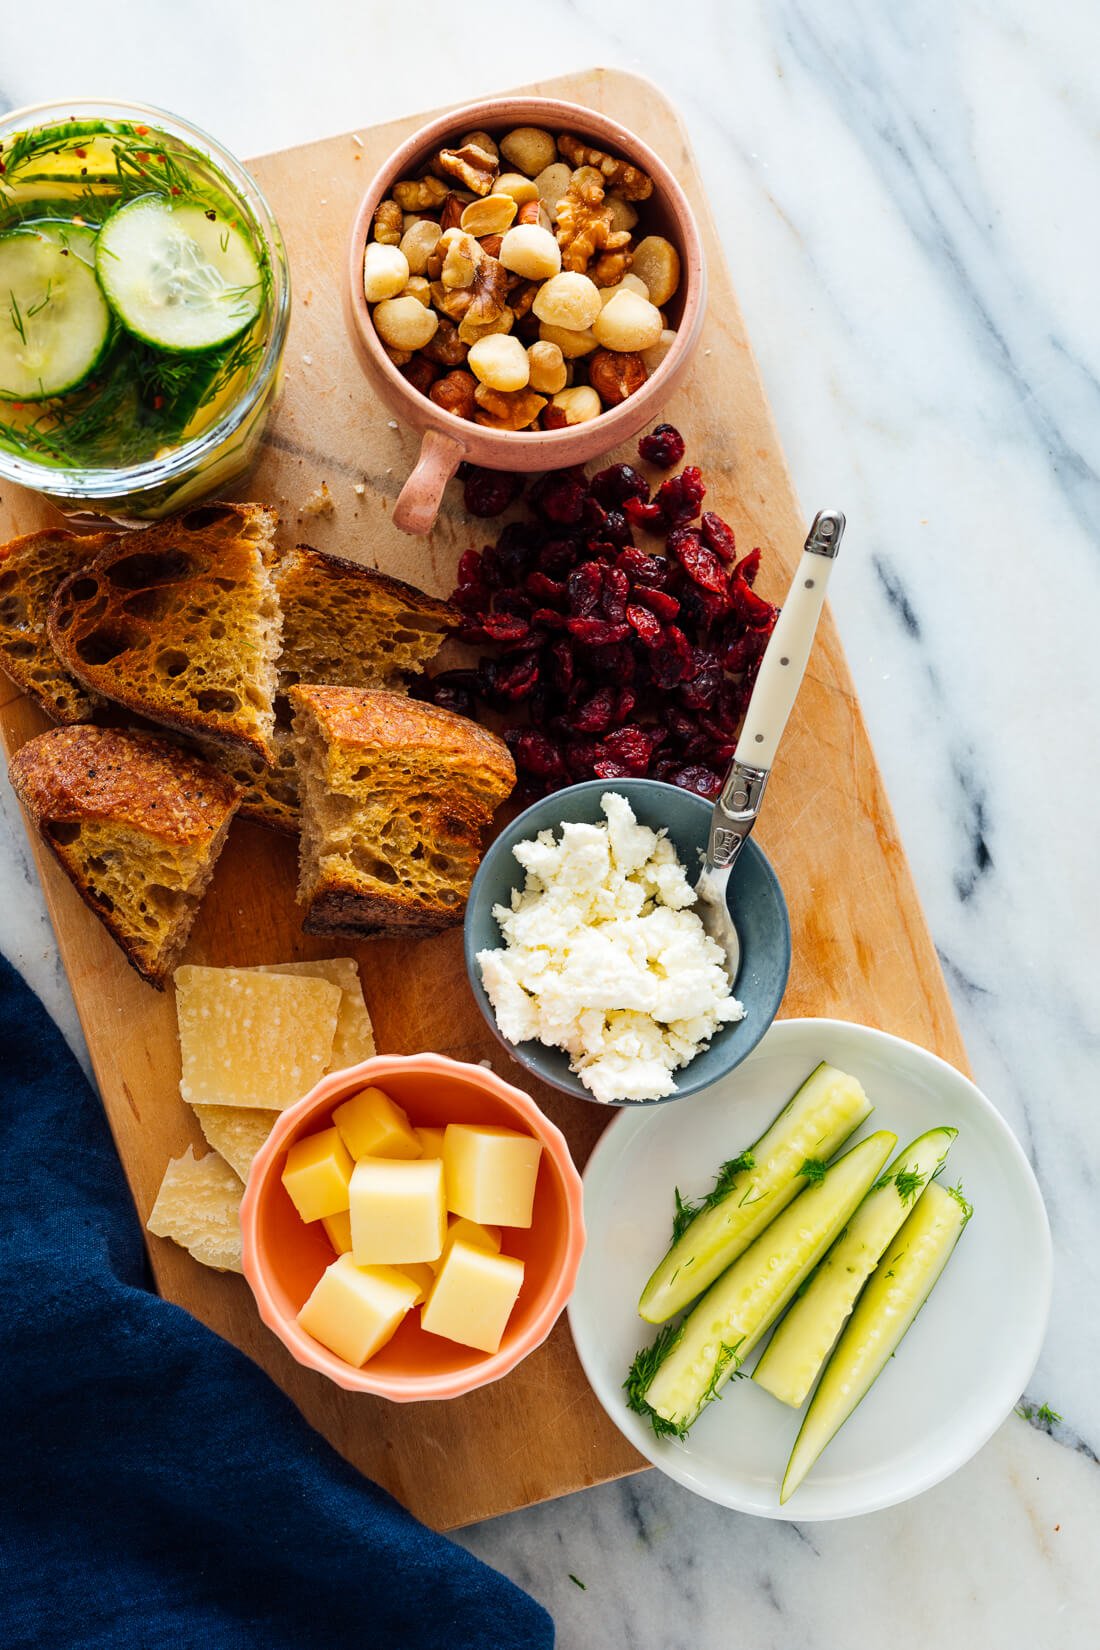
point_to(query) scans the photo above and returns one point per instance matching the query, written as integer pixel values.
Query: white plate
(960, 1369)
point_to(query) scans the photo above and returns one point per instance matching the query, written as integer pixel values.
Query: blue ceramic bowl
(756, 900)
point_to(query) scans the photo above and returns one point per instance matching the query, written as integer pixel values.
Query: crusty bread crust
(31, 568)
(128, 789)
(180, 623)
(395, 797)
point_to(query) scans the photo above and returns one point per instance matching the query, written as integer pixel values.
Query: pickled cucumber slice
(54, 322)
(794, 1355)
(753, 1189)
(673, 1381)
(899, 1287)
(176, 277)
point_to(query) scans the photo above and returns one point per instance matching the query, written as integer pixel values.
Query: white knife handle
(788, 652)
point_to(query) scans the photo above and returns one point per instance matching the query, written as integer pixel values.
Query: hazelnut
(419, 242)
(531, 252)
(571, 344)
(500, 361)
(490, 216)
(615, 374)
(404, 323)
(529, 149)
(629, 322)
(445, 346)
(571, 300)
(657, 262)
(420, 373)
(577, 405)
(385, 271)
(547, 368)
(455, 393)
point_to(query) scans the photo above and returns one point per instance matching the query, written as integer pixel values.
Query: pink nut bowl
(283, 1257)
(449, 440)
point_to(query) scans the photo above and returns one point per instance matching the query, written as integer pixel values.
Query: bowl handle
(418, 503)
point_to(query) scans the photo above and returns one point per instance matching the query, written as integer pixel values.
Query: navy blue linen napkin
(157, 1491)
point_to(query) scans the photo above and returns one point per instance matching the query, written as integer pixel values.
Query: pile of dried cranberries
(611, 660)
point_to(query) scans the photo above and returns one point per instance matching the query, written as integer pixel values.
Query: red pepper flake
(158, 402)
(141, 131)
(163, 159)
(142, 155)
(81, 154)
(174, 190)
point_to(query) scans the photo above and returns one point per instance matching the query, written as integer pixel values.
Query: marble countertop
(907, 196)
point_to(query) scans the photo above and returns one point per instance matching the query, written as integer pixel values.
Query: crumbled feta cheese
(603, 958)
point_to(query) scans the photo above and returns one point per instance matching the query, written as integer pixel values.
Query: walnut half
(628, 181)
(471, 165)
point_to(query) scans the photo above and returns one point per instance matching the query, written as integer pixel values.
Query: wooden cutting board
(861, 948)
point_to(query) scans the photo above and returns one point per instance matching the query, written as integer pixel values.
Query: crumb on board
(308, 359)
(360, 488)
(392, 422)
(319, 503)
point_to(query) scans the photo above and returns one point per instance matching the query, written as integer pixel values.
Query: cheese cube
(490, 1173)
(483, 1237)
(420, 1273)
(251, 1039)
(473, 1296)
(338, 1231)
(373, 1125)
(316, 1175)
(431, 1141)
(354, 1310)
(397, 1212)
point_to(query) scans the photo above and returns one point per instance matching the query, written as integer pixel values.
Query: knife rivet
(760, 739)
(784, 661)
(809, 584)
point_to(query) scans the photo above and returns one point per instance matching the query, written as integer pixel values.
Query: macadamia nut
(629, 322)
(629, 283)
(571, 300)
(552, 183)
(489, 216)
(652, 358)
(530, 251)
(500, 361)
(529, 149)
(623, 215)
(515, 184)
(547, 368)
(572, 344)
(385, 271)
(404, 323)
(579, 405)
(657, 262)
(482, 140)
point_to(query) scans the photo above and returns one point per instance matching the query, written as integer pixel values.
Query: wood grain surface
(861, 947)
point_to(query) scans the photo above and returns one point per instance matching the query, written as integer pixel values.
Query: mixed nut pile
(612, 658)
(508, 284)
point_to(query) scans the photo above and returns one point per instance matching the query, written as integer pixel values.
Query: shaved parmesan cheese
(252, 1039)
(237, 1132)
(198, 1207)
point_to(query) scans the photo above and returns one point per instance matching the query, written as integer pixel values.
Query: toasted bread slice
(343, 624)
(136, 824)
(395, 797)
(180, 623)
(31, 568)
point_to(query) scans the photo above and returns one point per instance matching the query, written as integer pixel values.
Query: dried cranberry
(643, 514)
(749, 566)
(625, 701)
(701, 690)
(617, 663)
(559, 496)
(616, 529)
(489, 492)
(632, 746)
(547, 618)
(543, 589)
(671, 661)
(746, 651)
(641, 568)
(699, 563)
(557, 556)
(664, 446)
(658, 601)
(718, 535)
(750, 607)
(453, 690)
(516, 676)
(596, 714)
(581, 756)
(647, 624)
(608, 768)
(616, 589)
(505, 627)
(597, 632)
(534, 754)
(618, 483)
(703, 781)
(680, 497)
(585, 587)
(680, 725)
(561, 664)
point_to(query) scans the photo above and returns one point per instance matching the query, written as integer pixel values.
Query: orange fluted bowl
(283, 1257)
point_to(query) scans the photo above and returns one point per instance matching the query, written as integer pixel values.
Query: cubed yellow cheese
(420, 1273)
(338, 1230)
(482, 1237)
(354, 1310)
(397, 1211)
(251, 1039)
(431, 1141)
(490, 1173)
(317, 1173)
(373, 1125)
(473, 1296)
